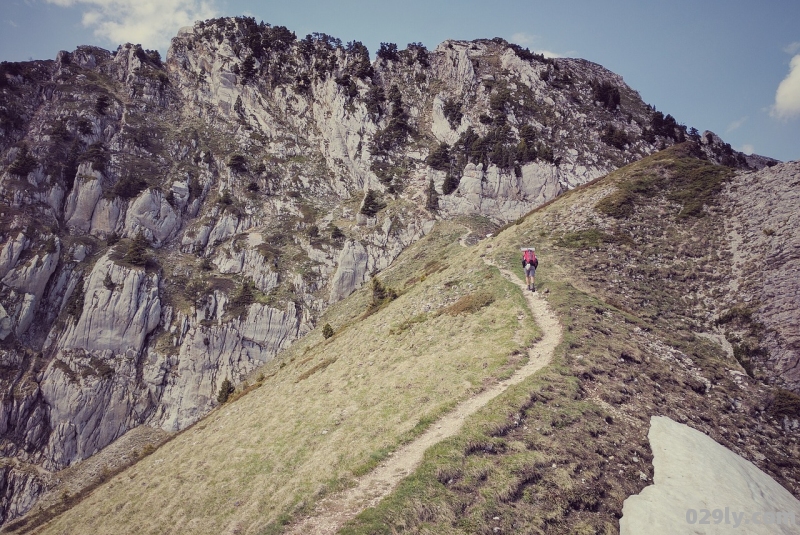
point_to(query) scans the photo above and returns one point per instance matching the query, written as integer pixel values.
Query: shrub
(327, 331)
(388, 52)
(225, 199)
(85, 127)
(247, 69)
(24, 163)
(137, 253)
(614, 137)
(59, 132)
(154, 56)
(785, 403)
(439, 158)
(360, 66)
(129, 187)
(397, 131)
(237, 162)
(499, 99)
(336, 233)
(372, 204)
(225, 390)
(584, 239)
(375, 97)
(243, 298)
(112, 239)
(101, 104)
(419, 53)
(451, 183)
(74, 306)
(97, 155)
(432, 198)
(606, 93)
(452, 112)
(381, 296)
(108, 283)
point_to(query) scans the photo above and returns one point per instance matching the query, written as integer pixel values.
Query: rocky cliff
(764, 289)
(170, 224)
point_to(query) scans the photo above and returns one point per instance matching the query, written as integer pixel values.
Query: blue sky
(729, 66)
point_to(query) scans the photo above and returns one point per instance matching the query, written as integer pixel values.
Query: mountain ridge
(235, 190)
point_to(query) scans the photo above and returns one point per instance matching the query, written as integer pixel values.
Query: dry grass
(470, 303)
(271, 453)
(560, 452)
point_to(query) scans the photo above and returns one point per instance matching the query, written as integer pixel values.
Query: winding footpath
(332, 512)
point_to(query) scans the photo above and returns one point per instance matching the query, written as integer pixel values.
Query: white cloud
(523, 39)
(793, 48)
(747, 148)
(149, 22)
(12, 23)
(735, 125)
(527, 40)
(787, 97)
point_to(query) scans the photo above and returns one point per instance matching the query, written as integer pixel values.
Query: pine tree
(432, 202)
(137, 251)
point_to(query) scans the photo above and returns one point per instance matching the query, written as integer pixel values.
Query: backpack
(529, 257)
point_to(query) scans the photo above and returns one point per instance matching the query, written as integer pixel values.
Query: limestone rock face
(151, 215)
(694, 472)
(351, 271)
(121, 307)
(208, 354)
(242, 159)
(83, 198)
(763, 226)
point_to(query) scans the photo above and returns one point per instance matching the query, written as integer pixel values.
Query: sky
(729, 66)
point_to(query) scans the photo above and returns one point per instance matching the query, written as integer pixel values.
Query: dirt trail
(332, 512)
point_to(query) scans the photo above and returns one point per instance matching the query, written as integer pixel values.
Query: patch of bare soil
(332, 512)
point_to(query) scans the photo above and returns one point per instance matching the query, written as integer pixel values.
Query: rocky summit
(170, 225)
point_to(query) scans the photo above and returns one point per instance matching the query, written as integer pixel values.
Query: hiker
(530, 263)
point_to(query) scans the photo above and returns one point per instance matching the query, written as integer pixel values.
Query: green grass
(583, 239)
(673, 174)
(330, 410)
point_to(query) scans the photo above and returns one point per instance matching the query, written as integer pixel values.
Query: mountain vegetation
(266, 262)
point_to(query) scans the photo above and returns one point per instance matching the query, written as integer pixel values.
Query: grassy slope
(556, 454)
(560, 452)
(331, 408)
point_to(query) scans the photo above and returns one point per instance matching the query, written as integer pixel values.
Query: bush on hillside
(388, 52)
(137, 253)
(237, 162)
(381, 296)
(439, 158)
(606, 93)
(372, 204)
(327, 331)
(452, 112)
(432, 198)
(24, 163)
(451, 183)
(225, 390)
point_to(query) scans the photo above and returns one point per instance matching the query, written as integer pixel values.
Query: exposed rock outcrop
(763, 228)
(169, 224)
